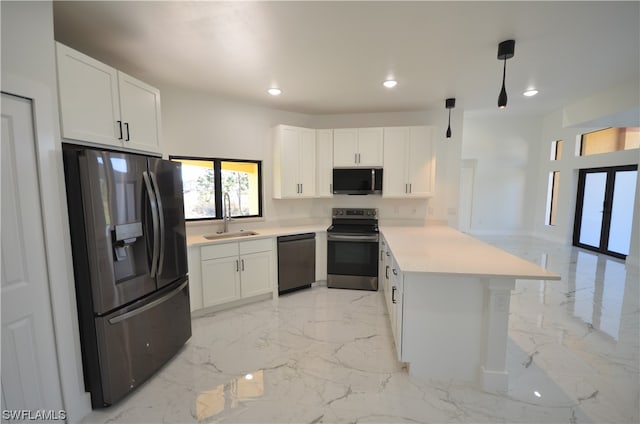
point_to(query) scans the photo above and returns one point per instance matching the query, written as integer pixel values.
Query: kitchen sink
(236, 234)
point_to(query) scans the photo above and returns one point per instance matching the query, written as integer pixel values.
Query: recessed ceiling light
(274, 91)
(390, 83)
(530, 92)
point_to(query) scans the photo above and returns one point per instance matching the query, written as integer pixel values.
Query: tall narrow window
(609, 140)
(552, 197)
(556, 150)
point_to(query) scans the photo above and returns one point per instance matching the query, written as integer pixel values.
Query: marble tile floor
(326, 355)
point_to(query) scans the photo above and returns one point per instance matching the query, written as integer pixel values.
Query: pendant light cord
(504, 71)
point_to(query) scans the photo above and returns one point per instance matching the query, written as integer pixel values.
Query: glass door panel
(622, 211)
(591, 221)
(604, 209)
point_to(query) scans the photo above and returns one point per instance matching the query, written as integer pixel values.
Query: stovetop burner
(346, 228)
(354, 221)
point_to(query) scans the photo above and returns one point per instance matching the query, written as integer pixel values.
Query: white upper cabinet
(354, 147)
(99, 104)
(409, 162)
(324, 163)
(294, 165)
(89, 100)
(140, 113)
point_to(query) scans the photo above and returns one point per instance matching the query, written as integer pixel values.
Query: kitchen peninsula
(448, 298)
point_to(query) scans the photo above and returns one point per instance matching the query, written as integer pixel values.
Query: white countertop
(438, 249)
(262, 233)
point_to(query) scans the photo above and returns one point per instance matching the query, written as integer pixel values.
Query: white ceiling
(331, 57)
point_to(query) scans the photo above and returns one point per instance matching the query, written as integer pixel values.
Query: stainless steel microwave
(357, 180)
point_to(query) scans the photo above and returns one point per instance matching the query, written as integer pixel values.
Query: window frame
(557, 147)
(553, 195)
(217, 185)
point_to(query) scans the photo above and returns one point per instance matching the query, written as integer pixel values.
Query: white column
(498, 296)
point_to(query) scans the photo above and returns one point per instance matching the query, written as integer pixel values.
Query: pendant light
(505, 51)
(450, 103)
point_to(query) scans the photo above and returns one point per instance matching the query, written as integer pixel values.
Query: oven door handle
(348, 237)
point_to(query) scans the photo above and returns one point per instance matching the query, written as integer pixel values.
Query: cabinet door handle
(242, 260)
(237, 266)
(301, 188)
(386, 272)
(410, 189)
(355, 158)
(330, 188)
(359, 159)
(406, 189)
(120, 127)
(126, 125)
(393, 294)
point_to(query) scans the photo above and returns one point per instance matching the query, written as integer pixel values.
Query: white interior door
(30, 378)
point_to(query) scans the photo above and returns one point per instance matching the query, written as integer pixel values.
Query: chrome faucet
(226, 216)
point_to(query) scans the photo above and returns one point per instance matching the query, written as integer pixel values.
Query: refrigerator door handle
(154, 218)
(160, 219)
(149, 305)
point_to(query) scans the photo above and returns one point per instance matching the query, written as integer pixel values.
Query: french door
(604, 209)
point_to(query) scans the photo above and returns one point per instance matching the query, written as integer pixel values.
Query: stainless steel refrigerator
(126, 217)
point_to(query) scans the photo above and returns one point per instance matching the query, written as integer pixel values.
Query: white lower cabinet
(396, 305)
(254, 271)
(236, 270)
(392, 285)
(220, 281)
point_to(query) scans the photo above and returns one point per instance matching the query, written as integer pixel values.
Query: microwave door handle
(373, 180)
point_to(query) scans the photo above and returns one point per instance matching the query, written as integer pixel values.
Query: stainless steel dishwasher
(296, 261)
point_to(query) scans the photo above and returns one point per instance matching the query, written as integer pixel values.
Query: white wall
(28, 69)
(200, 124)
(506, 151)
